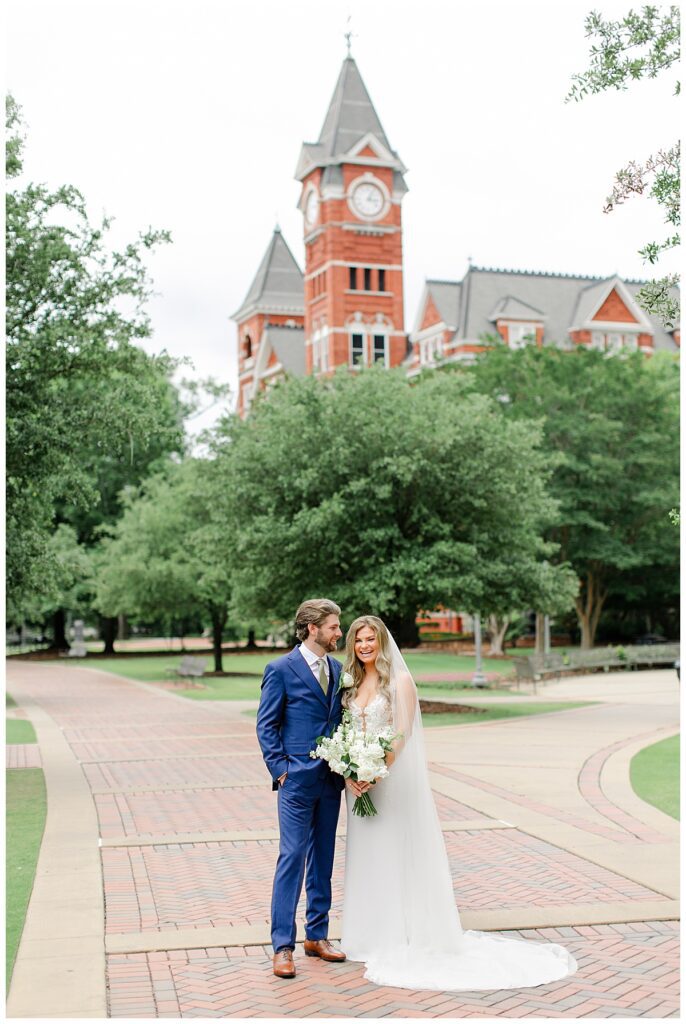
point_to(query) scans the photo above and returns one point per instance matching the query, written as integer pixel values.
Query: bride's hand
(355, 787)
(364, 786)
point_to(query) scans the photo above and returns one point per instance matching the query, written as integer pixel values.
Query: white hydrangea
(356, 755)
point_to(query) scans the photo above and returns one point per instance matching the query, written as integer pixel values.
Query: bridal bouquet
(356, 755)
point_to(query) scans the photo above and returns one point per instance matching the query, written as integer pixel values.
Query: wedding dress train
(399, 913)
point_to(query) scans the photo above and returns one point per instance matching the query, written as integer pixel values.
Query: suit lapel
(305, 673)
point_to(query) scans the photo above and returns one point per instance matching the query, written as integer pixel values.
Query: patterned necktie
(323, 681)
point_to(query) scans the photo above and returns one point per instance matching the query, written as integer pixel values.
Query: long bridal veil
(420, 943)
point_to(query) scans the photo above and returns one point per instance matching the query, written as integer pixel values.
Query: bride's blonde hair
(354, 666)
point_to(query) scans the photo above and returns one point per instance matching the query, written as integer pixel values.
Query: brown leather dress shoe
(324, 950)
(283, 964)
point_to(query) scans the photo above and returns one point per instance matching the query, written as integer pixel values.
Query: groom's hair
(314, 612)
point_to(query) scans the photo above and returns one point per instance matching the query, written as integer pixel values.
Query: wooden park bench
(652, 654)
(603, 658)
(535, 667)
(188, 668)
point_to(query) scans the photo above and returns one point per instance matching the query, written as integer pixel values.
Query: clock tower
(352, 190)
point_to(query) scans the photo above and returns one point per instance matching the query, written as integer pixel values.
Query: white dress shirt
(313, 661)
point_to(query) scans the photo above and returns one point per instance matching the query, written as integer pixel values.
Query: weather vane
(349, 34)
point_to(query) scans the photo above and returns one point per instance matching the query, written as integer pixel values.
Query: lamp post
(478, 679)
(546, 634)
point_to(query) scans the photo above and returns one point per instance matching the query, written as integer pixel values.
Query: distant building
(526, 307)
(347, 308)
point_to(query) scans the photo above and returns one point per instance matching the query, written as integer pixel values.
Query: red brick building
(347, 308)
(530, 308)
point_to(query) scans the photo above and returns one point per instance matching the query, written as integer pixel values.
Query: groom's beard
(328, 645)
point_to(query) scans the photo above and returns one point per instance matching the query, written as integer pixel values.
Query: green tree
(80, 392)
(385, 496)
(71, 582)
(160, 559)
(613, 424)
(641, 45)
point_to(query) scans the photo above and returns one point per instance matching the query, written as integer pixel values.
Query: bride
(399, 913)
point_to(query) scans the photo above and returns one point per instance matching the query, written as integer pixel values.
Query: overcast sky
(189, 116)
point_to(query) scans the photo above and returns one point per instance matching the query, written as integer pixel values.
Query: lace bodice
(375, 717)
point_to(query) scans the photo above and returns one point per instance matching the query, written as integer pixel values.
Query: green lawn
(233, 688)
(245, 687)
(501, 711)
(147, 670)
(459, 689)
(444, 661)
(654, 774)
(25, 818)
(155, 669)
(19, 731)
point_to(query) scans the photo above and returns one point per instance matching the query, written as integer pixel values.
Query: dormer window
(613, 341)
(518, 334)
(431, 349)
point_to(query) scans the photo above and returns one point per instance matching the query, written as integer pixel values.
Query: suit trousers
(308, 815)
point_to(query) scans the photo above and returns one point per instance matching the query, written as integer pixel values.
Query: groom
(300, 702)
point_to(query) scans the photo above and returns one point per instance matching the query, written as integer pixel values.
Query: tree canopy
(162, 559)
(614, 424)
(87, 408)
(386, 496)
(643, 44)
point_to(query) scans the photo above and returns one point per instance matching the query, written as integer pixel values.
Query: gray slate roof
(278, 285)
(289, 345)
(557, 296)
(351, 116)
(514, 309)
(446, 298)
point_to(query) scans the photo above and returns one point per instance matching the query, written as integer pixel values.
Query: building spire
(350, 117)
(348, 35)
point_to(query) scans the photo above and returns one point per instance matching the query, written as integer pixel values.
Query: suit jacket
(293, 711)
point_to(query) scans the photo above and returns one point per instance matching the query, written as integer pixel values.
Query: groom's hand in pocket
(282, 778)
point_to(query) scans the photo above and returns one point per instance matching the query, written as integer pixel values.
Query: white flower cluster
(353, 754)
(345, 682)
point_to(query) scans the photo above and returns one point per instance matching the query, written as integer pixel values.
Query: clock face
(368, 199)
(311, 208)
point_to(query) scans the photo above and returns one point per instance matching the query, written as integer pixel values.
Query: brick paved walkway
(161, 766)
(22, 755)
(624, 971)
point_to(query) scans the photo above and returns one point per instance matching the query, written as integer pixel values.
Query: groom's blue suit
(293, 711)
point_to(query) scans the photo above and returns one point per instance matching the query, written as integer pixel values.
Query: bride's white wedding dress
(399, 913)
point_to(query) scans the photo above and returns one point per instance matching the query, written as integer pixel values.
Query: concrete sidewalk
(153, 885)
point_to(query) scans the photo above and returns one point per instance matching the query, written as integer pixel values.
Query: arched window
(247, 346)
